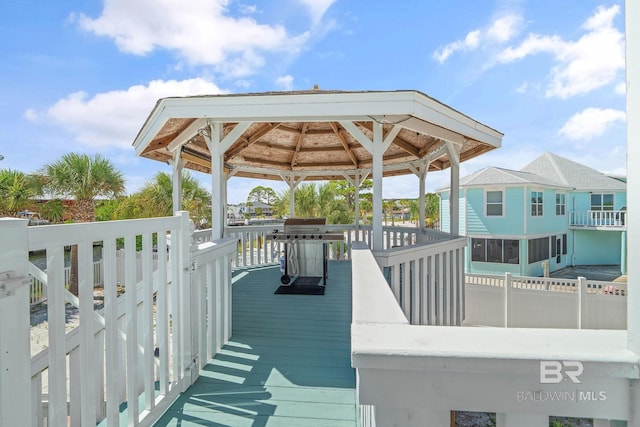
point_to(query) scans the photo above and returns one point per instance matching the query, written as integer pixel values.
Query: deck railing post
(507, 297)
(15, 360)
(189, 347)
(582, 293)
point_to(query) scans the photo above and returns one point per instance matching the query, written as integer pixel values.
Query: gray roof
(548, 170)
(572, 174)
(498, 176)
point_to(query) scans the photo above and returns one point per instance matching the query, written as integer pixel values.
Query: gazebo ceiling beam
(357, 134)
(252, 139)
(299, 142)
(189, 132)
(345, 144)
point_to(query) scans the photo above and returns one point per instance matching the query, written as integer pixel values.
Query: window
(560, 204)
(494, 203)
(536, 203)
(495, 250)
(564, 244)
(602, 202)
(538, 249)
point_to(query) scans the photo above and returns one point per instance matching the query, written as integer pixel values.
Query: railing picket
(87, 333)
(147, 321)
(162, 316)
(132, 327)
(57, 378)
(112, 364)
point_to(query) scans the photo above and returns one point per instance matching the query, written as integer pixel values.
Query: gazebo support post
(421, 172)
(454, 202)
(292, 181)
(218, 205)
(176, 181)
(378, 152)
(218, 144)
(356, 181)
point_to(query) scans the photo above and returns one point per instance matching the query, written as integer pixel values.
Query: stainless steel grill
(303, 256)
(306, 229)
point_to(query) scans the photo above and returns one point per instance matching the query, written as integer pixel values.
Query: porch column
(218, 182)
(292, 181)
(356, 181)
(377, 147)
(15, 360)
(454, 201)
(218, 143)
(176, 181)
(632, 8)
(377, 153)
(421, 172)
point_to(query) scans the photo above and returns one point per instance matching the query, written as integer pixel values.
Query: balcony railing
(598, 219)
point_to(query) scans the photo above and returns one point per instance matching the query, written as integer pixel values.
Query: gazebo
(313, 135)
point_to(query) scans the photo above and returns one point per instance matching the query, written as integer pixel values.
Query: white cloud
(112, 119)
(621, 88)
(285, 82)
(590, 123)
(317, 8)
(592, 61)
(201, 32)
(499, 31)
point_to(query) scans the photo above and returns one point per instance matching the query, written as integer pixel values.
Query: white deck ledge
(421, 347)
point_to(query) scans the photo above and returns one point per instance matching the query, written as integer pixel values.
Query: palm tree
(156, 199)
(17, 191)
(83, 179)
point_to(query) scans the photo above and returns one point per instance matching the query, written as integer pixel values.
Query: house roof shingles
(549, 170)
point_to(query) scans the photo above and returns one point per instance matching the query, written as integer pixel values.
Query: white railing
(598, 219)
(138, 352)
(427, 280)
(417, 375)
(542, 302)
(39, 291)
(254, 248)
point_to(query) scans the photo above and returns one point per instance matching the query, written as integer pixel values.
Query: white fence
(139, 351)
(538, 302)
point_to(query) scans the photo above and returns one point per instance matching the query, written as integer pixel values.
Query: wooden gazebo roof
(311, 132)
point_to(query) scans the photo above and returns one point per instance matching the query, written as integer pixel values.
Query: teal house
(551, 214)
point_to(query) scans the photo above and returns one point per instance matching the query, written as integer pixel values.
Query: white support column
(176, 181)
(218, 182)
(292, 181)
(356, 181)
(292, 198)
(421, 172)
(378, 153)
(454, 201)
(632, 9)
(15, 359)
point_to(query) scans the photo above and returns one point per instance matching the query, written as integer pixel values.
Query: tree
(84, 179)
(155, 199)
(264, 195)
(17, 191)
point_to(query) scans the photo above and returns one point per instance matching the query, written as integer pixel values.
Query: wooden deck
(288, 361)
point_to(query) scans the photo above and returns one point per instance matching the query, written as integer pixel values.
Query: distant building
(551, 214)
(238, 213)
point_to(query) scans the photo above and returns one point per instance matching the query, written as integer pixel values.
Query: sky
(83, 76)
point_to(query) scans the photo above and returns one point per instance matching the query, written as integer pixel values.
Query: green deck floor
(287, 363)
